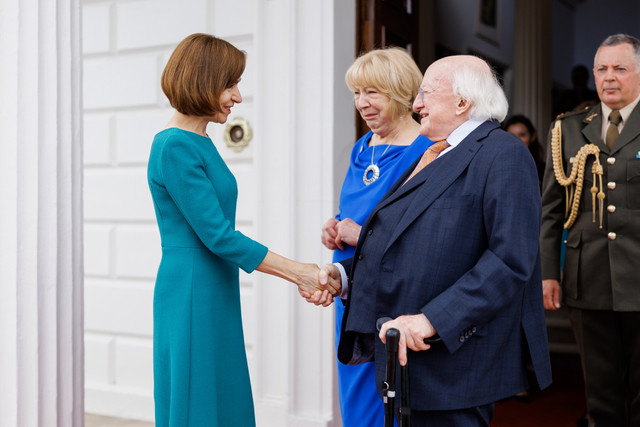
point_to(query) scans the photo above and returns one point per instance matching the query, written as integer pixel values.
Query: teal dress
(200, 366)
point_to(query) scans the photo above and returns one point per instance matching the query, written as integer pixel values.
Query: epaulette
(574, 113)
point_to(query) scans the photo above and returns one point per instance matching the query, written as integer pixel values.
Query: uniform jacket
(601, 265)
(459, 243)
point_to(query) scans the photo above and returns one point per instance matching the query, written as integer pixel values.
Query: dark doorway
(381, 23)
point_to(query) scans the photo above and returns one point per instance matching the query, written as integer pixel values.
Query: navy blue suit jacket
(459, 243)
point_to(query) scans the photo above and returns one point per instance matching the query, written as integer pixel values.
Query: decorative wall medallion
(237, 134)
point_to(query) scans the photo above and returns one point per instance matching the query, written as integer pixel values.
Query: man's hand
(413, 330)
(551, 294)
(328, 278)
(311, 280)
(329, 234)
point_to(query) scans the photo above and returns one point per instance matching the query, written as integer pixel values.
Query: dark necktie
(612, 131)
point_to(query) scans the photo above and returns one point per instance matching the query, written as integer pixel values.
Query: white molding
(41, 329)
(120, 402)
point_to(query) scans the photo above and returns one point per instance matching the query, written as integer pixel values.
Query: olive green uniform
(601, 277)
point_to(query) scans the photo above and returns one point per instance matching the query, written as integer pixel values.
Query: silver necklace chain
(373, 150)
(373, 168)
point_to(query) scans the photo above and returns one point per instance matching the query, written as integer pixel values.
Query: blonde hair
(200, 68)
(392, 72)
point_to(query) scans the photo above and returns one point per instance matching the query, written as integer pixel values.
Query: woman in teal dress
(384, 83)
(200, 366)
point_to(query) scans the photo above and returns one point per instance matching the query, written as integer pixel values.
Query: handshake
(317, 285)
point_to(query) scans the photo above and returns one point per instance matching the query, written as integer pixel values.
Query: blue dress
(360, 404)
(201, 377)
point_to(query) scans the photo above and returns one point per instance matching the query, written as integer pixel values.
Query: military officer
(591, 187)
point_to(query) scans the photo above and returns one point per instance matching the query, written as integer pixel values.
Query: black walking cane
(405, 409)
(389, 384)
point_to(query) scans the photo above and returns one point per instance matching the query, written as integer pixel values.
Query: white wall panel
(249, 78)
(99, 355)
(122, 307)
(246, 177)
(134, 132)
(233, 18)
(96, 21)
(98, 241)
(117, 195)
(134, 363)
(249, 314)
(125, 81)
(138, 251)
(148, 23)
(97, 139)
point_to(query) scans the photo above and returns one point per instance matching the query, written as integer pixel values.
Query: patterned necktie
(429, 156)
(612, 131)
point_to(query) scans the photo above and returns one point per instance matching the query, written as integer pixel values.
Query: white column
(532, 63)
(304, 116)
(41, 356)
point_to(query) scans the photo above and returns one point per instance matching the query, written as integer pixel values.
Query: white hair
(480, 87)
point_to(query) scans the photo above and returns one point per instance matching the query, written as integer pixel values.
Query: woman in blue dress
(384, 83)
(201, 376)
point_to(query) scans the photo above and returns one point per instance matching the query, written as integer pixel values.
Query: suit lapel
(434, 179)
(396, 190)
(399, 188)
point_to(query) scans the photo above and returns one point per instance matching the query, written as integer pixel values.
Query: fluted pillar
(41, 317)
(532, 63)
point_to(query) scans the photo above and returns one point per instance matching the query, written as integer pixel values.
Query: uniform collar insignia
(589, 118)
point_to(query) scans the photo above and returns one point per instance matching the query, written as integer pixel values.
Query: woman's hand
(328, 278)
(305, 276)
(329, 234)
(309, 284)
(347, 231)
(336, 233)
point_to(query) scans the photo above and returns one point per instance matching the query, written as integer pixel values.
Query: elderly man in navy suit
(452, 251)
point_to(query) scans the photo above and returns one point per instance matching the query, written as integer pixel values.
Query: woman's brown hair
(198, 71)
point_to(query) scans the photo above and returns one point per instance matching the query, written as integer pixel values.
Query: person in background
(451, 254)
(383, 82)
(201, 376)
(522, 127)
(579, 96)
(600, 208)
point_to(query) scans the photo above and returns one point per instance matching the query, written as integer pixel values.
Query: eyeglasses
(421, 94)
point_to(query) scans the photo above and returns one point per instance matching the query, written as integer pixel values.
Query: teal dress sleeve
(205, 192)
